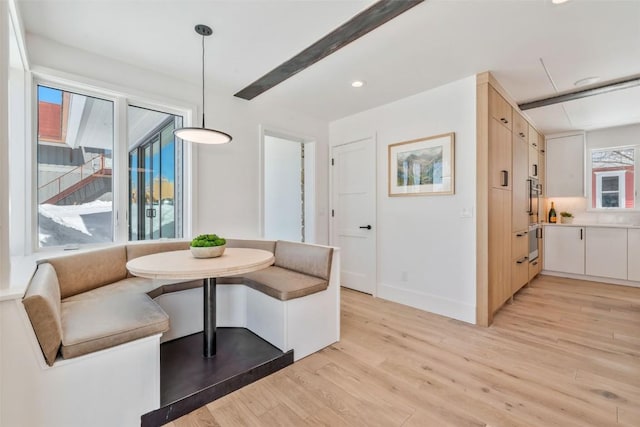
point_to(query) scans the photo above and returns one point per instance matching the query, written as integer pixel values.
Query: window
(74, 168)
(88, 176)
(613, 178)
(155, 175)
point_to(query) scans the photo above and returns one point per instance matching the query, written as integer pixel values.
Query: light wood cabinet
(499, 108)
(542, 180)
(519, 190)
(499, 248)
(533, 137)
(499, 156)
(519, 260)
(565, 166)
(564, 249)
(520, 126)
(606, 252)
(534, 170)
(503, 198)
(633, 254)
(535, 267)
(542, 146)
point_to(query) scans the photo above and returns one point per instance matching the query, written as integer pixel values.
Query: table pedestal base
(209, 309)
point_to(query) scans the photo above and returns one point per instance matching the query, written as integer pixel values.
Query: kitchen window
(613, 178)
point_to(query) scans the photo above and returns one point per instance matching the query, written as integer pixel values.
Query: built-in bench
(87, 302)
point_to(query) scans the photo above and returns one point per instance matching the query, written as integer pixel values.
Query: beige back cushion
(85, 271)
(136, 250)
(265, 245)
(42, 303)
(304, 258)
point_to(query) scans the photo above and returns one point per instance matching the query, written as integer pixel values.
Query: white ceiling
(434, 43)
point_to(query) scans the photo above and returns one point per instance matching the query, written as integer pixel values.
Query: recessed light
(587, 81)
(559, 1)
(357, 83)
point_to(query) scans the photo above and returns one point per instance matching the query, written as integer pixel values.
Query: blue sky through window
(47, 94)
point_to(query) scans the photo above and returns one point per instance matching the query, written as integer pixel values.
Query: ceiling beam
(583, 93)
(364, 22)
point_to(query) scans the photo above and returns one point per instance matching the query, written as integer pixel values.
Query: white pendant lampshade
(202, 135)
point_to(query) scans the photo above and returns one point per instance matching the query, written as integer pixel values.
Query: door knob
(368, 227)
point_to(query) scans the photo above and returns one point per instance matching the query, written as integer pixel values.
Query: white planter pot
(208, 252)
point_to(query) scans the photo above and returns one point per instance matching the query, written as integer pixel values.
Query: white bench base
(112, 387)
(304, 325)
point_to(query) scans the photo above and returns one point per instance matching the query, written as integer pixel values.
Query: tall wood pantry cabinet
(508, 154)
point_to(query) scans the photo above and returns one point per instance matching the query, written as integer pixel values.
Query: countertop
(586, 224)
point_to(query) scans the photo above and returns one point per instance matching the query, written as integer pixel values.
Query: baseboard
(427, 302)
(592, 278)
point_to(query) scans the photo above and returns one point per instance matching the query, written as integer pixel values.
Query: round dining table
(181, 265)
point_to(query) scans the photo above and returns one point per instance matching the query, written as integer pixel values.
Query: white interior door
(353, 204)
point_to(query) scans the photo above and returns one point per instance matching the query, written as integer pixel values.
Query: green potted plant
(208, 246)
(567, 217)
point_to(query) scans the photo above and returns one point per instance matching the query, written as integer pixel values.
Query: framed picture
(422, 166)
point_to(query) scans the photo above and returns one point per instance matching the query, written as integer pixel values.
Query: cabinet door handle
(366, 227)
(535, 145)
(505, 178)
(581, 232)
(521, 134)
(535, 170)
(503, 120)
(521, 260)
(524, 233)
(535, 262)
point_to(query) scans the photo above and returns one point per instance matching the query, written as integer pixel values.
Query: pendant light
(202, 135)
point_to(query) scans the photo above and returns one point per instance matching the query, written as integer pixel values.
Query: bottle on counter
(553, 218)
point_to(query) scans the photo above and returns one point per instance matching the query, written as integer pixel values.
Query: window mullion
(120, 171)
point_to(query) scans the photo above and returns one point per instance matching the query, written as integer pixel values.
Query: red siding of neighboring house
(49, 121)
(629, 190)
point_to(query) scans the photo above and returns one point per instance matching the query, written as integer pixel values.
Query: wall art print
(422, 166)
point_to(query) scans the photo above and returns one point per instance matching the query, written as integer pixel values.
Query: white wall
(282, 189)
(579, 206)
(425, 236)
(227, 181)
(4, 146)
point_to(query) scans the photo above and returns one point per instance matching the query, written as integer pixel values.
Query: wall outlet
(466, 213)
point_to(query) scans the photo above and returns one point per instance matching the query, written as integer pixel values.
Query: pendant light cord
(203, 82)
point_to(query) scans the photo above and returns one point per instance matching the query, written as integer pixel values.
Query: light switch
(466, 213)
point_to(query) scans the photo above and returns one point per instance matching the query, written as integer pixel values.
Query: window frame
(121, 100)
(621, 188)
(636, 178)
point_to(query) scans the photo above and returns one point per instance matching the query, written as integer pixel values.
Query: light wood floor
(565, 353)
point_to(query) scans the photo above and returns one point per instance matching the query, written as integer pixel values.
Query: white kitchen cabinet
(606, 252)
(564, 248)
(565, 166)
(633, 254)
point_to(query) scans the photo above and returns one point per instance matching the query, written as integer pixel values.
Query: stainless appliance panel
(535, 233)
(534, 200)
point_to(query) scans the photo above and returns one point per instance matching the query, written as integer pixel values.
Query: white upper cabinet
(565, 166)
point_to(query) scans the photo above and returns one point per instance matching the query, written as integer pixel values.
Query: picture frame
(424, 166)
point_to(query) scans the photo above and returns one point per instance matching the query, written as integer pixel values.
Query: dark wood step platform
(189, 381)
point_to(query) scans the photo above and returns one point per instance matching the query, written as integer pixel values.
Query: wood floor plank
(565, 353)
